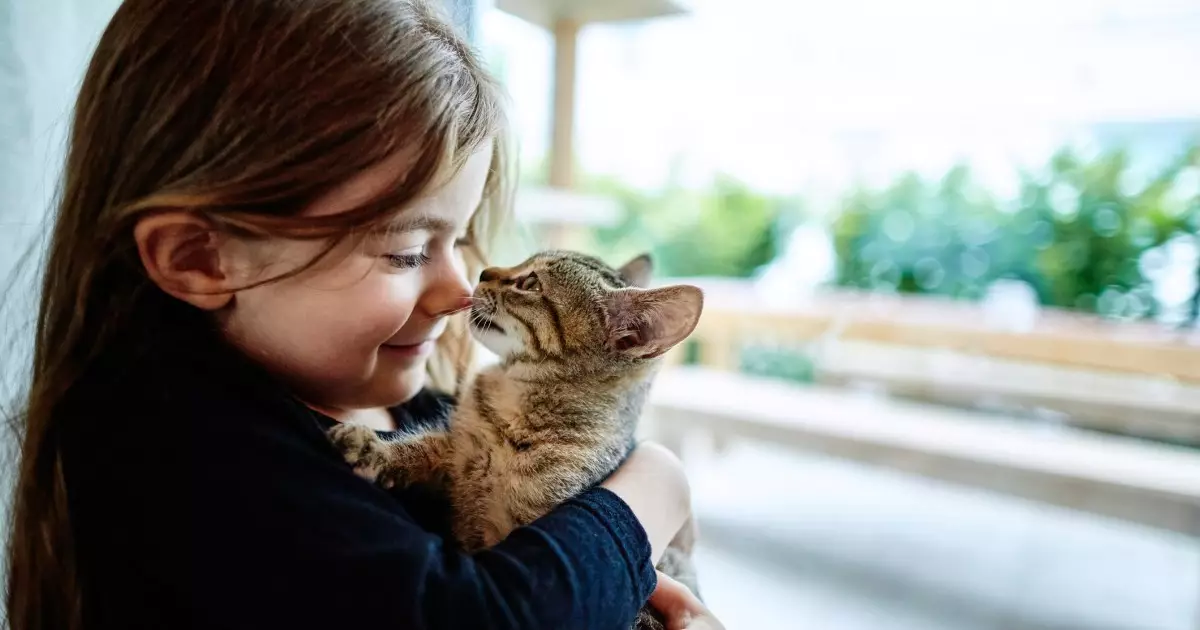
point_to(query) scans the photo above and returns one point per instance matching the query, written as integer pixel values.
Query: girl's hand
(681, 609)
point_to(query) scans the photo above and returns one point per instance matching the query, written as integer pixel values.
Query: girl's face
(355, 331)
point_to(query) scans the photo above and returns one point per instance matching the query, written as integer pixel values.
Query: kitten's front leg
(409, 459)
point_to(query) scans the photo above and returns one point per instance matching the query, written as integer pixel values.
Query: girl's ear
(182, 255)
(645, 323)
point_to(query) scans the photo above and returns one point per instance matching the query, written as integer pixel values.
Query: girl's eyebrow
(417, 223)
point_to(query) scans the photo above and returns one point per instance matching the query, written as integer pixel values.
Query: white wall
(44, 48)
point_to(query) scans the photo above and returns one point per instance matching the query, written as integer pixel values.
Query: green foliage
(1077, 233)
(778, 362)
(914, 237)
(727, 230)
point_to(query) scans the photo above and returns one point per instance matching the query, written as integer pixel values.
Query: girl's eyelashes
(408, 261)
(412, 260)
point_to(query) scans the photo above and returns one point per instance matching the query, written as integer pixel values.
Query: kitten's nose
(489, 274)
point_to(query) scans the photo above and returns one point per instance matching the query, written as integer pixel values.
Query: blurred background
(948, 375)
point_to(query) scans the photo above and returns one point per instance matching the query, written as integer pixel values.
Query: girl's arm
(244, 522)
(652, 483)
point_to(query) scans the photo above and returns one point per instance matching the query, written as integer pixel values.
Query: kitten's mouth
(486, 325)
(483, 323)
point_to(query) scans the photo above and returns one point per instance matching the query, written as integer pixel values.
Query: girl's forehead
(455, 201)
(446, 207)
(362, 188)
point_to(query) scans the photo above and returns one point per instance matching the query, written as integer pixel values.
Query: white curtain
(464, 13)
(44, 48)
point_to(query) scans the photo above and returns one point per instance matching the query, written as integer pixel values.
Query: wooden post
(719, 350)
(562, 132)
(719, 338)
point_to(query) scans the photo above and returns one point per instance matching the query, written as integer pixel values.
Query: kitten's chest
(525, 451)
(515, 461)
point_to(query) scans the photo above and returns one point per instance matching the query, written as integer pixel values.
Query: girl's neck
(377, 418)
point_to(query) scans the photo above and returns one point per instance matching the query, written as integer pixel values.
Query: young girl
(270, 210)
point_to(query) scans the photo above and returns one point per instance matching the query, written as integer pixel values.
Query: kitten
(578, 344)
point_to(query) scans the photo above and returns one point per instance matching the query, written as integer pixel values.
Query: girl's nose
(449, 292)
(462, 304)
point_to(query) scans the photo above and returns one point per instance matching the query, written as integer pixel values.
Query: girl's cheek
(402, 292)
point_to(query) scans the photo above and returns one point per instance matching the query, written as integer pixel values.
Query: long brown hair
(243, 113)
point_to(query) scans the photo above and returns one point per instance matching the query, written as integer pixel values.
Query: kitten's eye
(529, 283)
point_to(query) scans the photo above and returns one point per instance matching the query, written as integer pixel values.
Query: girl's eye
(408, 261)
(464, 241)
(529, 283)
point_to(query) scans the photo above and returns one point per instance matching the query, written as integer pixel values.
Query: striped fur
(578, 342)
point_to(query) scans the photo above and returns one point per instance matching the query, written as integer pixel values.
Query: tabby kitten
(578, 344)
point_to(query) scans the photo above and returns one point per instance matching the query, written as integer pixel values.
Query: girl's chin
(409, 382)
(414, 351)
(393, 386)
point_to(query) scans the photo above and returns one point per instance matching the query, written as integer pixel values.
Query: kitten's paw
(362, 448)
(649, 619)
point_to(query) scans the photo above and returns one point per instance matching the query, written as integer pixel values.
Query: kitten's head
(564, 304)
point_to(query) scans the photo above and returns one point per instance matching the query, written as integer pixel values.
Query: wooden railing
(1129, 377)
(1017, 399)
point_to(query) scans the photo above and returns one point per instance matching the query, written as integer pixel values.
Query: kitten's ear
(636, 273)
(645, 323)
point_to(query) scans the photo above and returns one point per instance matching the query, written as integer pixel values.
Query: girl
(270, 209)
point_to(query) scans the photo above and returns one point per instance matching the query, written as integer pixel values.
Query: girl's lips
(412, 350)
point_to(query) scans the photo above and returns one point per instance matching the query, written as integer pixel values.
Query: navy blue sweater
(203, 496)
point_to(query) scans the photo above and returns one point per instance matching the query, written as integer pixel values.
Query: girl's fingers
(682, 609)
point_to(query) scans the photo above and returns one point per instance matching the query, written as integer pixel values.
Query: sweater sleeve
(584, 565)
(252, 527)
